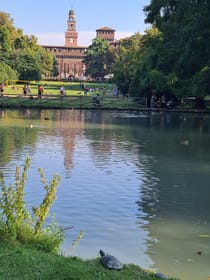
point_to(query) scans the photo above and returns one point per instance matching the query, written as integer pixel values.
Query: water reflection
(68, 126)
(175, 199)
(137, 184)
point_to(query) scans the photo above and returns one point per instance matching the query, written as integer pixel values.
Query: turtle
(109, 261)
(161, 276)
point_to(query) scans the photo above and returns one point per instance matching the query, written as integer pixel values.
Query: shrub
(17, 224)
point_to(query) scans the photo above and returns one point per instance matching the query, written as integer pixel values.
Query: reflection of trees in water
(174, 197)
(148, 203)
(176, 208)
(15, 135)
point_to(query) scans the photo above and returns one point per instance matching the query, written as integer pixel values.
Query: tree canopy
(126, 62)
(98, 59)
(20, 55)
(173, 55)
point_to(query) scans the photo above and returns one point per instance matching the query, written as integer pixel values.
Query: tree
(7, 73)
(31, 60)
(21, 52)
(98, 59)
(185, 30)
(149, 79)
(45, 61)
(126, 61)
(8, 33)
(26, 65)
(5, 45)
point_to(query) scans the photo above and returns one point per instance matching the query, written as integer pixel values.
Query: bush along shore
(29, 250)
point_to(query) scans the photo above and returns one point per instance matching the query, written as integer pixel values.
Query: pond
(136, 185)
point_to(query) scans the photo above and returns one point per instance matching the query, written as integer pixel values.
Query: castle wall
(70, 57)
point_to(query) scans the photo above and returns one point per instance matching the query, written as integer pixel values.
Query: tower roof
(105, 28)
(71, 12)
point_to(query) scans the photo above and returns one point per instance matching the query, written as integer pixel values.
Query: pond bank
(85, 102)
(26, 263)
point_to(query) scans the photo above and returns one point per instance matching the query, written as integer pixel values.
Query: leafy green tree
(126, 61)
(45, 61)
(21, 52)
(148, 79)
(5, 45)
(31, 60)
(185, 45)
(25, 42)
(200, 86)
(7, 73)
(8, 34)
(26, 64)
(98, 59)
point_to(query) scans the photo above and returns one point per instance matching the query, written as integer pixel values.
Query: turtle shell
(109, 261)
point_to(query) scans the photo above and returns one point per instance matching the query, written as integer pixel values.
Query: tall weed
(16, 222)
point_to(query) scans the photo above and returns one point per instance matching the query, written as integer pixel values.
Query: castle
(70, 56)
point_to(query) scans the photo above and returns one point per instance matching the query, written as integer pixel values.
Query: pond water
(137, 185)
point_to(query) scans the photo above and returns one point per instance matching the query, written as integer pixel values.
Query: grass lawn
(19, 263)
(53, 87)
(74, 97)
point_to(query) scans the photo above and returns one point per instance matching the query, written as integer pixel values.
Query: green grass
(19, 263)
(67, 102)
(53, 87)
(74, 96)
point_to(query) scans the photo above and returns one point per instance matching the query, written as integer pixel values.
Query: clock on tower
(71, 33)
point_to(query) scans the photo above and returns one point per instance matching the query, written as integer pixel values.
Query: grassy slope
(22, 263)
(74, 97)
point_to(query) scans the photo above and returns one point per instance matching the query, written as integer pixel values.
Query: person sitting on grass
(96, 100)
